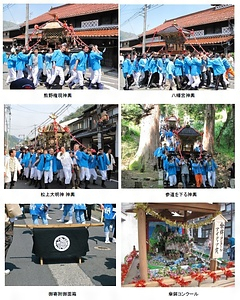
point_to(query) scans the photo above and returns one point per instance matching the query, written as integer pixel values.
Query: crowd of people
(189, 71)
(195, 168)
(56, 68)
(183, 172)
(70, 168)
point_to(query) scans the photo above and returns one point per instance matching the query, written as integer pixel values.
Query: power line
(140, 12)
(58, 113)
(7, 6)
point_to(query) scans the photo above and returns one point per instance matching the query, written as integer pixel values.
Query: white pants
(57, 71)
(104, 174)
(224, 78)
(190, 82)
(74, 76)
(160, 79)
(136, 76)
(11, 75)
(60, 174)
(49, 75)
(91, 73)
(84, 172)
(97, 74)
(48, 176)
(172, 180)
(204, 179)
(26, 172)
(212, 178)
(39, 174)
(35, 75)
(80, 77)
(93, 173)
(196, 81)
(20, 74)
(33, 173)
(67, 174)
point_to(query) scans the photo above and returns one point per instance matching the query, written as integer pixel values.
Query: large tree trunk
(149, 137)
(229, 118)
(209, 126)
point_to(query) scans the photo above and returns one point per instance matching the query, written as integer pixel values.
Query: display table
(60, 241)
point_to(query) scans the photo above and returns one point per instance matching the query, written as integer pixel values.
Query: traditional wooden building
(97, 127)
(210, 29)
(91, 23)
(127, 45)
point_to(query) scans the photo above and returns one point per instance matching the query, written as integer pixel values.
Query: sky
(24, 118)
(16, 13)
(155, 16)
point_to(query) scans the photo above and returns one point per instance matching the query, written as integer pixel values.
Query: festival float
(168, 256)
(53, 135)
(53, 33)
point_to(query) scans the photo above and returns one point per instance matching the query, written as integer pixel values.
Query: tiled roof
(127, 48)
(201, 41)
(209, 40)
(72, 10)
(98, 32)
(103, 32)
(153, 44)
(207, 16)
(7, 40)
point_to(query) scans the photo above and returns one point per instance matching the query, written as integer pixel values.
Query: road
(109, 80)
(113, 184)
(98, 267)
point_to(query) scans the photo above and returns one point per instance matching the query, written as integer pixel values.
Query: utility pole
(99, 127)
(26, 23)
(144, 27)
(7, 115)
(35, 135)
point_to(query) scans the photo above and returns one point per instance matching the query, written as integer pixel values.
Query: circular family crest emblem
(61, 243)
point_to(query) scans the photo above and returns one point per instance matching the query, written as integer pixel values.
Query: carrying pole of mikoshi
(32, 226)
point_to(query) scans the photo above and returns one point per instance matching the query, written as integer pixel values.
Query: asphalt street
(109, 80)
(113, 184)
(98, 267)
